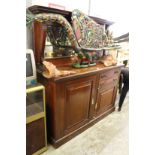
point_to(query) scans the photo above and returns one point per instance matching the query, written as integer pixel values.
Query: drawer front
(109, 83)
(104, 101)
(109, 74)
(117, 72)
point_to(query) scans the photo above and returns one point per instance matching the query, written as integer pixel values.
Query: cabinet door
(105, 100)
(78, 101)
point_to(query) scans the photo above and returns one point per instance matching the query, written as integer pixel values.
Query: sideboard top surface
(83, 71)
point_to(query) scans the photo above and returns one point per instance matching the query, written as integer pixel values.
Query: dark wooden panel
(74, 103)
(114, 94)
(106, 75)
(106, 84)
(117, 71)
(104, 100)
(68, 114)
(35, 136)
(59, 94)
(39, 32)
(78, 100)
(110, 74)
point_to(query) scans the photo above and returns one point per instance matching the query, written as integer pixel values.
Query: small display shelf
(34, 101)
(36, 137)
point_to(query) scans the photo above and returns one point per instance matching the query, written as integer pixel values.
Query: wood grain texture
(35, 136)
(71, 102)
(39, 32)
(74, 102)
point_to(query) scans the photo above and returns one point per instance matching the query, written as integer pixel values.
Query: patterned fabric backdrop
(65, 35)
(89, 34)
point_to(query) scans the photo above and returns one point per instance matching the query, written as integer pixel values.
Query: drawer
(117, 72)
(109, 83)
(109, 74)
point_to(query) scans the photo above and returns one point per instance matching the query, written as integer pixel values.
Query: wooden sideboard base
(58, 143)
(68, 137)
(77, 102)
(109, 111)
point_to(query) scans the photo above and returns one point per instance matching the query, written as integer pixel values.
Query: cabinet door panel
(105, 100)
(77, 104)
(110, 74)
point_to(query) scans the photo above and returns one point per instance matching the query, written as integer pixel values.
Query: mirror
(57, 43)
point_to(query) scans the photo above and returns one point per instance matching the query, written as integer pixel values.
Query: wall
(28, 3)
(116, 11)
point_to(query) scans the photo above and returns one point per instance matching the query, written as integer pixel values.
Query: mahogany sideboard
(76, 102)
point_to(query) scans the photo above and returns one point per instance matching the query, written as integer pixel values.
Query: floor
(107, 137)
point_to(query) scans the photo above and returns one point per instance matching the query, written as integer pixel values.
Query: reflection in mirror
(57, 43)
